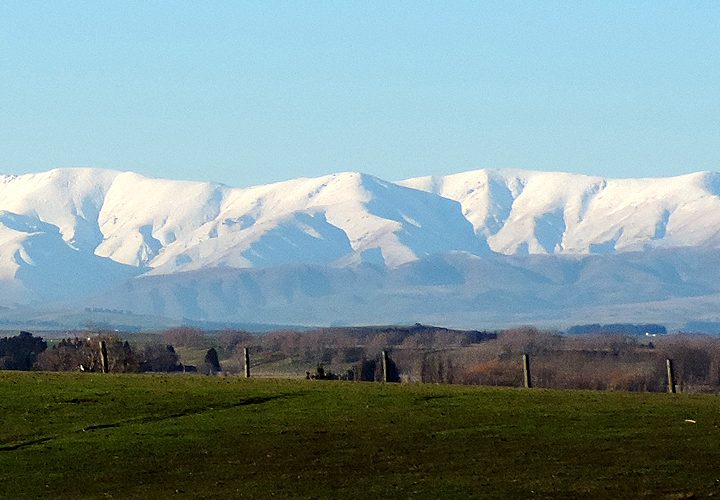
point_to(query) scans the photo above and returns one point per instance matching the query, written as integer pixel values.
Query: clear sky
(253, 92)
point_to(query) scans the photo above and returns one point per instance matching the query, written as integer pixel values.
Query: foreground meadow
(155, 436)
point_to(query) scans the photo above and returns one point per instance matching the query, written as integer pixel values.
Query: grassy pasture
(157, 436)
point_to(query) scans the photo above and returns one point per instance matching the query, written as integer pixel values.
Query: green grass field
(148, 436)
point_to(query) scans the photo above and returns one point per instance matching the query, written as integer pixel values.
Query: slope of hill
(457, 290)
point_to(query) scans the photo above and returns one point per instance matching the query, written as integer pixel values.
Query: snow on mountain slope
(69, 199)
(173, 225)
(346, 218)
(338, 218)
(369, 248)
(520, 212)
(37, 264)
(141, 216)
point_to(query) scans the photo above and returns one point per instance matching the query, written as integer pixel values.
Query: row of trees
(27, 352)
(615, 361)
(84, 354)
(602, 362)
(347, 352)
(418, 354)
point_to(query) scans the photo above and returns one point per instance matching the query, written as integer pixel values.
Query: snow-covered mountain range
(521, 212)
(101, 237)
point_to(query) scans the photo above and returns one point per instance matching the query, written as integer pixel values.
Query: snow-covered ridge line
(519, 212)
(79, 232)
(167, 226)
(170, 226)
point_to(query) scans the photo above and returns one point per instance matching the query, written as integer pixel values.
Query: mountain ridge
(75, 234)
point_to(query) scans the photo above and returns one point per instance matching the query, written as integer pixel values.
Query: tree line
(612, 358)
(417, 353)
(28, 352)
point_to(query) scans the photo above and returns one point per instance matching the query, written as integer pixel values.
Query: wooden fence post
(385, 366)
(670, 376)
(103, 357)
(526, 371)
(246, 355)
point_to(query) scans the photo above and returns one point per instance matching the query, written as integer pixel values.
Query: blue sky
(253, 92)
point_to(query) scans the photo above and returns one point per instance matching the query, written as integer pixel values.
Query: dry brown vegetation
(418, 353)
(437, 355)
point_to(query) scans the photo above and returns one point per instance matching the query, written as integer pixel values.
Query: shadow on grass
(258, 400)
